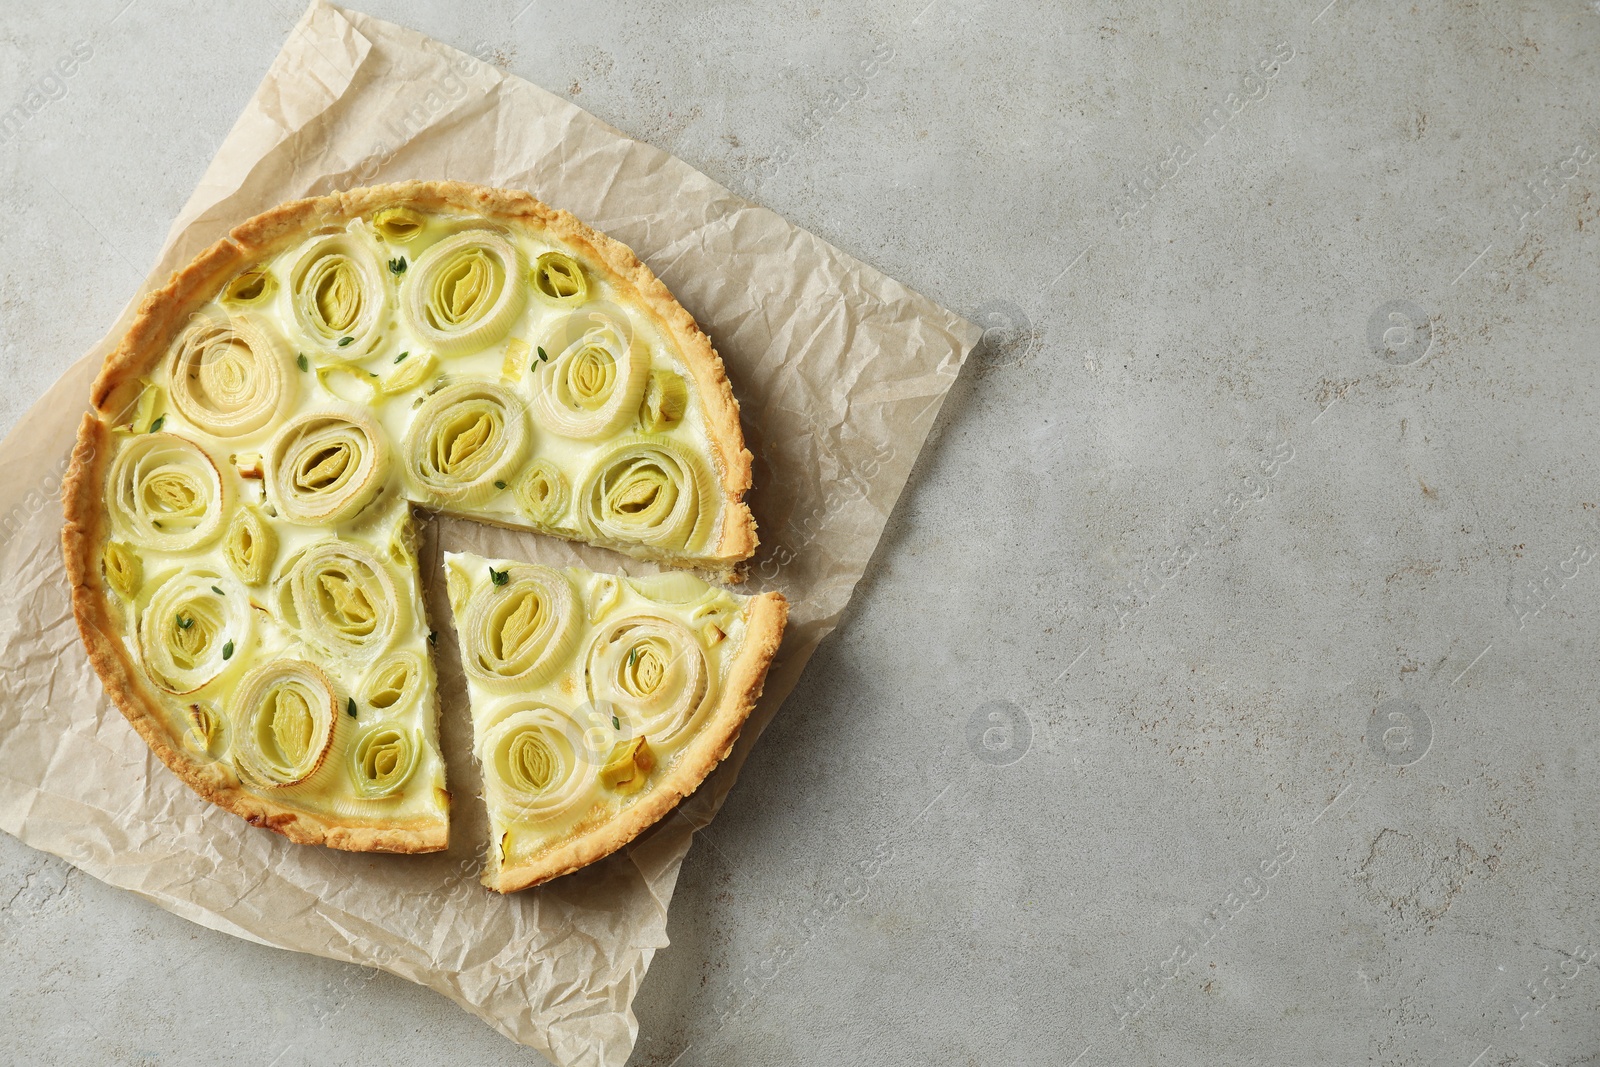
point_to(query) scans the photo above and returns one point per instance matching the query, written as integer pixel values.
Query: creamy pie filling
(261, 549)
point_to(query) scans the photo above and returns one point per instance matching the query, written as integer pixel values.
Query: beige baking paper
(839, 371)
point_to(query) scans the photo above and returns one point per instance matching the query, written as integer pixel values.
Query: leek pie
(239, 534)
(597, 701)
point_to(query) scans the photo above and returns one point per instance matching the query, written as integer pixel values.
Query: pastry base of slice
(598, 702)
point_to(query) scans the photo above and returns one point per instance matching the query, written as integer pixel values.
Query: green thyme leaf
(227, 650)
(401, 356)
(397, 266)
(499, 484)
(499, 577)
(350, 707)
(300, 361)
(345, 340)
(160, 420)
(184, 622)
(615, 725)
(217, 590)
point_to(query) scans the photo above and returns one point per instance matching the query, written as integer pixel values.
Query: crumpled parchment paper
(840, 372)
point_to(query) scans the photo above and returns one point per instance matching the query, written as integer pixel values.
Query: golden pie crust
(165, 312)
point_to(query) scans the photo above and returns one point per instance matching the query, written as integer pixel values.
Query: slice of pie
(238, 510)
(598, 702)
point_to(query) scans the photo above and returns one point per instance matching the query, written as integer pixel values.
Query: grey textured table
(1224, 690)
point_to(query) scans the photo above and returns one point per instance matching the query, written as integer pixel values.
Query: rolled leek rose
(250, 547)
(165, 493)
(382, 758)
(195, 623)
(653, 672)
(518, 634)
(463, 294)
(543, 493)
(558, 278)
(252, 287)
(324, 467)
(649, 491)
(284, 717)
(398, 225)
(464, 439)
(226, 375)
(666, 399)
(535, 765)
(594, 386)
(395, 683)
(343, 601)
(124, 571)
(340, 294)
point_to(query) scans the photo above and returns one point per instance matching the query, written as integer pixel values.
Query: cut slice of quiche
(598, 701)
(238, 508)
